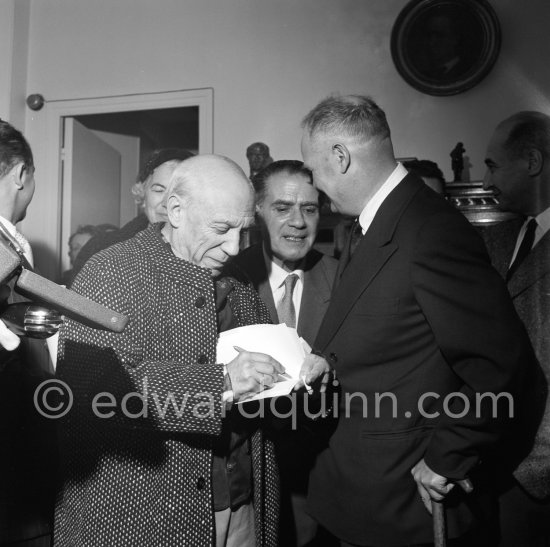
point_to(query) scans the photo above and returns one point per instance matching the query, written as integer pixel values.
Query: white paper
(279, 341)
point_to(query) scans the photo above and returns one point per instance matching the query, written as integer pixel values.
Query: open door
(91, 176)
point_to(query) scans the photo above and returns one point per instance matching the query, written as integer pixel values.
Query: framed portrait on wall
(444, 47)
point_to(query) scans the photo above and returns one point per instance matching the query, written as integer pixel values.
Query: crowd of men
(433, 339)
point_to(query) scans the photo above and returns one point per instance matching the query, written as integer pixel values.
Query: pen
(284, 375)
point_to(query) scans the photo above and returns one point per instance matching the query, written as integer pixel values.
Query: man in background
(150, 195)
(28, 456)
(418, 315)
(294, 281)
(518, 172)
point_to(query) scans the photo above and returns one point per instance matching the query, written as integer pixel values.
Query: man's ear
(342, 156)
(535, 162)
(175, 210)
(18, 172)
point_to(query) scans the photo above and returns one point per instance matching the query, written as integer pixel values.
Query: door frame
(45, 131)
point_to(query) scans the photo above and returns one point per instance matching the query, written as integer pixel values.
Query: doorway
(131, 125)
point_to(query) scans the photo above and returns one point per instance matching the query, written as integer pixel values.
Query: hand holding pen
(252, 372)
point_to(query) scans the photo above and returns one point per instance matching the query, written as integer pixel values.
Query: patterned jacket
(140, 473)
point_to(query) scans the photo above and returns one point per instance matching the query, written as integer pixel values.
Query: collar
(543, 221)
(8, 225)
(371, 208)
(277, 275)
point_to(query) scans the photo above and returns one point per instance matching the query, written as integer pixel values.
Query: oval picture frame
(445, 47)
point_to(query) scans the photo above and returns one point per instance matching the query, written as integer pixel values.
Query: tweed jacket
(529, 287)
(319, 272)
(140, 473)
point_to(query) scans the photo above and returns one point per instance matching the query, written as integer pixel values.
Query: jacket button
(202, 360)
(201, 483)
(200, 301)
(334, 357)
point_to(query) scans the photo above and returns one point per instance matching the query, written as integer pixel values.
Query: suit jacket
(319, 272)
(28, 464)
(418, 316)
(143, 476)
(529, 288)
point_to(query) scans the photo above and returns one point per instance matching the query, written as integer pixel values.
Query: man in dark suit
(287, 208)
(424, 339)
(518, 171)
(28, 459)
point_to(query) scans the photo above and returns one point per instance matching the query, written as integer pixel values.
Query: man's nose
(297, 218)
(231, 245)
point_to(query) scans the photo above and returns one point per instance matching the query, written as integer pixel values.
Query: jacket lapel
(535, 265)
(315, 298)
(374, 250)
(255, 267)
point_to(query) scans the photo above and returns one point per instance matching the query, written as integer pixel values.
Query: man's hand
(432, 486)
(8, 340)
(252, 372)
(314, 368)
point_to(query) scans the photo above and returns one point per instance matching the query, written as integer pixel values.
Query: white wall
(270, 61)
(14, 44)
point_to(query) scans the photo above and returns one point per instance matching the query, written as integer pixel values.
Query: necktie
(354, 237)
(524, 248)
(285, 309)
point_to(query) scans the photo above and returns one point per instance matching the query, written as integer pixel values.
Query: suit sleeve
(479, 335)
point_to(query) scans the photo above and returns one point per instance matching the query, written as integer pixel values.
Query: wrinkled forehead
(285, 185)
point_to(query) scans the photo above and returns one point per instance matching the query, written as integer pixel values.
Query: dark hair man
(287, 209)
(27, 462)
(418, 315)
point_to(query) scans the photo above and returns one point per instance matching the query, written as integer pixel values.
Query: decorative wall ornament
(445, 47)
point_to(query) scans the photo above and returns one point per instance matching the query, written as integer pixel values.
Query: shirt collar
(543, 221)
(276, 274)
(371, 208)
(8, 225)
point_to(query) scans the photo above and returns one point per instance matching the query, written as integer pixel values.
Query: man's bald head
(518, 163)
(210, 200)
(205, 174)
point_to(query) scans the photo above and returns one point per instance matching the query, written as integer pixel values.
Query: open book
(279, 341)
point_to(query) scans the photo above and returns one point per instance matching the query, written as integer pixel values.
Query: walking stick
(438, 514)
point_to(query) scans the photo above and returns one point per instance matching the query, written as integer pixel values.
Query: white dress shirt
(371, 208)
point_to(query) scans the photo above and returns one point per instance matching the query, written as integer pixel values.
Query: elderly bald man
(153, 456)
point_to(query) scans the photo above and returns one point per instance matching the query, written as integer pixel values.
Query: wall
(14, 43)
(270, 61)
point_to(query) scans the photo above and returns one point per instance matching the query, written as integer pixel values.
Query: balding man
(152, 455)
(518, 171)
(421, 331)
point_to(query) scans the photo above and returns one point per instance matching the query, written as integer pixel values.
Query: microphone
(50, 295)
(31, 320)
